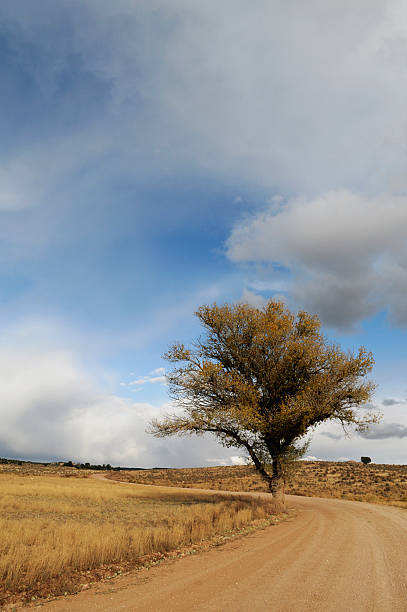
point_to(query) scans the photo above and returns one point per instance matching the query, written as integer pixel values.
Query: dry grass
(39, 469)
(350, 480)
(55, 533)
(60, 530)
(375, 483)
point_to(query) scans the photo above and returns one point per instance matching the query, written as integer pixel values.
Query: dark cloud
(391, 401)
(345, 253)
(333, 436)
(385, 430)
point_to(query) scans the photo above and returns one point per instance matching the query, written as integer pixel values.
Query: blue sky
(159, 155)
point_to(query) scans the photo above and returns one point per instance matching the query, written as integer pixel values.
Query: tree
(365, 460)
(260, 379)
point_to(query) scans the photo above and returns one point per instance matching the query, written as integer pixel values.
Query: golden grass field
(345, 480)
(59, 533)
(61, 530)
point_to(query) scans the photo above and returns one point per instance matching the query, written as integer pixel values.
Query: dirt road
(332, 556)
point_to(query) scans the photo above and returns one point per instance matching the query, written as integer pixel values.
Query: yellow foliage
(260, 379)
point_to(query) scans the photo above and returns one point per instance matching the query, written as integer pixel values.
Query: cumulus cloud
(346, 253)
(51, 409)
(391, 401)
(385, 430)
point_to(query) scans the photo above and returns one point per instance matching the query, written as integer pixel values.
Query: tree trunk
(277, 484)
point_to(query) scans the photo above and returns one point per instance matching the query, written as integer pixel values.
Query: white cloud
(147, 379)
(346, 253)
(51, 408)
(224, 461)
(238, 460)
(138, 381)
(217, 461)
(158, 379)
(253, 299)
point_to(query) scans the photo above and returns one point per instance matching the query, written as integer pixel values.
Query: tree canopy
(260, 379)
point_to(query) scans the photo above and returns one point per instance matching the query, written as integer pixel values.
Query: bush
(365, 460)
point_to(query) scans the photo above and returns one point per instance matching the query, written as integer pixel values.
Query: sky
(159, 155)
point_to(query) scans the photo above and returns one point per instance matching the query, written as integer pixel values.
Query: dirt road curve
(332, 556)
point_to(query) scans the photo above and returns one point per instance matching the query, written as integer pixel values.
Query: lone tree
(260, 379)
(365, 460)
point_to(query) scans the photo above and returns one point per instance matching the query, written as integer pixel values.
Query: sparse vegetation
(57, 534)
(345, 480)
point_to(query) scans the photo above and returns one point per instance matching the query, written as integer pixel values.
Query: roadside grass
(375, 483)
(58, 533)
(61, 530)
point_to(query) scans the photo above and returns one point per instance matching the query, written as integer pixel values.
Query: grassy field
(345, 480)
(59, 533)
(61, 530)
